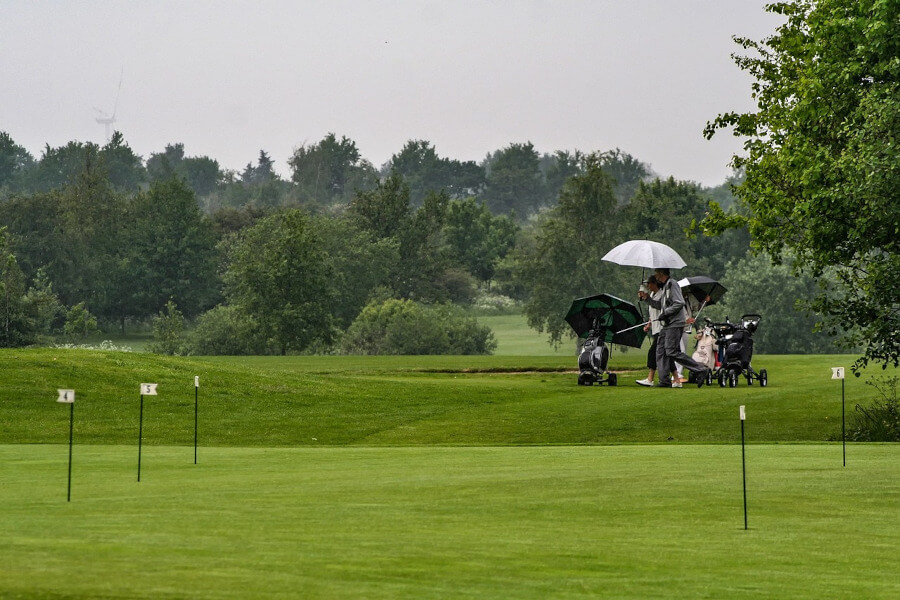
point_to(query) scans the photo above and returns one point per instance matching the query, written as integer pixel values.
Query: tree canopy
(821, 158)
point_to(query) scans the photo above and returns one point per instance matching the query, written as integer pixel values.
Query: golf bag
(736, 351)
(592, 361)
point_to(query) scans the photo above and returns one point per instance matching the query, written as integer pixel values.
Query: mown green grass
(495, 522)
(434, 477)
(389, 401)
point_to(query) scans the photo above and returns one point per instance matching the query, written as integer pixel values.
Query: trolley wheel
(763, 378)
(613, 379)
(722, 375)
(709, 377)
(732, 378)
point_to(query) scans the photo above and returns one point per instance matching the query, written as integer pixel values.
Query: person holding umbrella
(672, 319)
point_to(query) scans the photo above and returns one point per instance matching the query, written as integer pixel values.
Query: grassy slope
(502, 522)
(296, 401)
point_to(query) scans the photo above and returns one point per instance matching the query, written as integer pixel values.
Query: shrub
(879, 422)
(225, 330)
(407, 327)
(168, 331)
(80, 323)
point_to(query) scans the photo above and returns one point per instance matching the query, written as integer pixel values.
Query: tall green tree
(91, 265)
(171, 254)
(331, 171)
(514, 181)
(821, 158)
(424, 172)
(564, 260)
(16, 326)
(14, 161)
(201, 172)
(278, 272)
(475, 239)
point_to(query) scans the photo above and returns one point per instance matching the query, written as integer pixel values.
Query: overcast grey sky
(229, 78)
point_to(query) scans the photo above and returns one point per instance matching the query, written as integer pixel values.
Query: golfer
(672, 319)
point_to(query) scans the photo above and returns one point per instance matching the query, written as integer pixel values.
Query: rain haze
(230, 78)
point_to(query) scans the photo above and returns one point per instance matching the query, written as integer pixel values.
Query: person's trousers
(651, 353)
(668, 349)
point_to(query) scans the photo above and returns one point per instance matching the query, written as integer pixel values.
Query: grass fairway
(434, 477)
(502, 522)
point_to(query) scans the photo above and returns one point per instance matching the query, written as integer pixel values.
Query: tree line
(341, 257)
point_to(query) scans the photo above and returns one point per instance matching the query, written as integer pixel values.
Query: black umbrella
(607, 316)
(700, 287)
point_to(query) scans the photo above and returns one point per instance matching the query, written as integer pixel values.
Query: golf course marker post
(838, 373)
(147, 389)
(744, 463)
(68, 397)
(196, 394)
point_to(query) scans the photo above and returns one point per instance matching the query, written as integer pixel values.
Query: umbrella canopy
(645, 253)
(701, 286)
(606, 315)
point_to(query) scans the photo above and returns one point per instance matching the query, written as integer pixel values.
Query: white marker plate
(66, 396)
(148, 389)
(837, 372)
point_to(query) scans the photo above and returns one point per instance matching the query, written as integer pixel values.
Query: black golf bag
(736, 351)
(592, 361)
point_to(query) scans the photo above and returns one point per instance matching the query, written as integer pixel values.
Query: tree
(385, 210)
(821, 160)
(755, 285)
(563, 262)
(627, 172)
(424, 172)
(90, 235)
(475, 239)
(201, 172)
(514, 181)
(171, 253)
(278, 272)
(16, 329)
(14, 161)
(124, 168)
(331, 171)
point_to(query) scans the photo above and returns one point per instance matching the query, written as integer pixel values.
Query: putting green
(438, 522)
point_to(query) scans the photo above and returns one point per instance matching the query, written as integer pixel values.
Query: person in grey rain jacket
(672, 319)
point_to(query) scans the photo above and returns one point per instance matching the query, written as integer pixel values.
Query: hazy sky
(229, 78)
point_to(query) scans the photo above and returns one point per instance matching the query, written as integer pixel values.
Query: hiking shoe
(701, 377)
(644, 382)
(676, 384)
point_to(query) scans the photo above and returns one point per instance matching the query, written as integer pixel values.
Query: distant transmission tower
(105, 118)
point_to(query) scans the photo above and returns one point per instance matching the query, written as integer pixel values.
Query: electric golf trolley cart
(736, 351)
(603, 319)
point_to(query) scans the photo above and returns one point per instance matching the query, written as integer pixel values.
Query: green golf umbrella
(607, 316)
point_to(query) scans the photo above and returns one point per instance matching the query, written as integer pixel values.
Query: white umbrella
(645, 253)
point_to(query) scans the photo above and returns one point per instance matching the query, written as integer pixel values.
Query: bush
(225, 330)
(407, 327)
(879, 422)
(168, 330)
(80, 323)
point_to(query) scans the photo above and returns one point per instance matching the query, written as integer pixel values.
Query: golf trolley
(603, 319)
(592, 361)
(736, 351)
